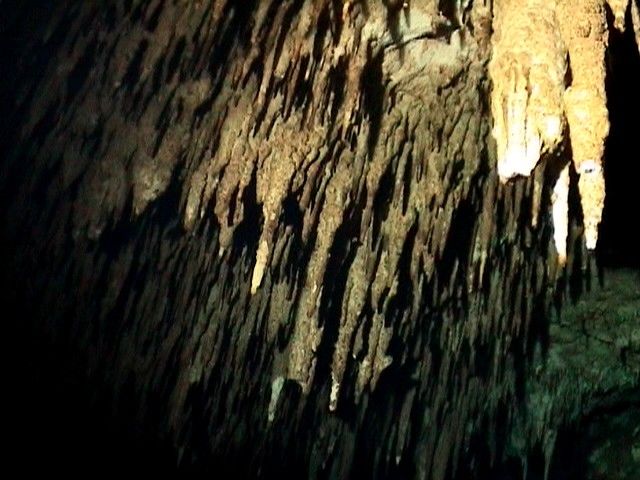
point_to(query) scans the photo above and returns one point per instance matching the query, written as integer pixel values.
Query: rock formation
(273, 233)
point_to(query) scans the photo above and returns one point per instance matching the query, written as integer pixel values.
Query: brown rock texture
(273, 233)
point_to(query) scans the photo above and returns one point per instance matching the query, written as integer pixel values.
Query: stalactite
(528, 72)
(535, 104)
(584, 30)
(560, 212)
(263, 199)
(619, 10)
(635, 20)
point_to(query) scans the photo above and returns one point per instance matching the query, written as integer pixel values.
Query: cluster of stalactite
(280, 223)
(548, 68)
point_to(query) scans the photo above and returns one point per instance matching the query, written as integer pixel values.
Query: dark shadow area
(59, 416)
(619, 237)
(58, 423)
(603, 446)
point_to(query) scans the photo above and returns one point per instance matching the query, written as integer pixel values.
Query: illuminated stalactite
(619, 10)
(527, 68)
(635, 18)
(560, 214)
(538, 99)
(584, 30)
(281, 209)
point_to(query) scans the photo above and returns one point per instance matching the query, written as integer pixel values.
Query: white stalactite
(560, 214)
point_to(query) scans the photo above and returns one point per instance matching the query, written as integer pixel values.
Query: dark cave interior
(58, 421)
(619, 239)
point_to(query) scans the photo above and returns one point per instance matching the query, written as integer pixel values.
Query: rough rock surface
(272, 233)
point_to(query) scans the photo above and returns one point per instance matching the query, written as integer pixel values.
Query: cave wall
(272, 233)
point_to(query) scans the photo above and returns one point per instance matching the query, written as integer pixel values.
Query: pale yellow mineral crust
(619, 8)
(585, 32)
(592, 193)
(534, 100)
(528, 69)
(635, 20)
